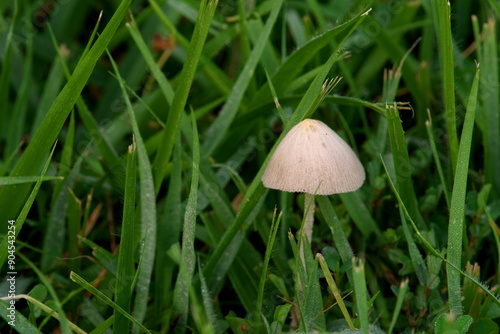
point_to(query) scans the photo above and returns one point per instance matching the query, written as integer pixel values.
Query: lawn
(135, 138)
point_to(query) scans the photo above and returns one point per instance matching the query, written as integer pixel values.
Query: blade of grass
(45, 308)
(402, 163)
(335, 291)
(10, 180)
(102, 297)
(22, 324)
(456, 222)
(103, 327)
(435, 154)
(125, 270)
(490, 104)
(12, 197)
(208, 303)
(269, 248)
(361, 294)
(441, 15)
(205, 15)
(256, 189)
(188, 263)
(341, 242)
(403, 289)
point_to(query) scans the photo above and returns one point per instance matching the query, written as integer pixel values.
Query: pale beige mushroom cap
(312, 155)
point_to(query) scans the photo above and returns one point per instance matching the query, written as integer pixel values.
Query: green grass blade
(341, 242)
(188, 263)
(12, 197)
(435, 154)
(403, 289)
(11, 180)
(456, 223)
(103, 327)
(441, 14)
(334, 289)
(402, 163)
(218, 129)
(490, 104)
(102, 297)
(208, 303)
(46, 309)
(125, 270)
(205, 15)
(22, 324)
(361, 294)
(272, 237)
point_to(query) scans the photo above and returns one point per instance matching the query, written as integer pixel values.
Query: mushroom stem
(309, 207)
(307, 228)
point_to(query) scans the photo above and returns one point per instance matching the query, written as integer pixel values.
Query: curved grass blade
(46, 309)
(334, 289)
(87, 286)
(455, 226)
(22, 324)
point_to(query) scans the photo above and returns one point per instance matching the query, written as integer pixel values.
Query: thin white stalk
(307, 228)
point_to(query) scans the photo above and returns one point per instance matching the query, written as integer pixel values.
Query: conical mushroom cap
(313, 155)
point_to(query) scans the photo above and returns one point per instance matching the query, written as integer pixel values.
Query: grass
(135, 133)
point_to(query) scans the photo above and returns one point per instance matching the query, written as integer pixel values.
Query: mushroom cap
(312, 155)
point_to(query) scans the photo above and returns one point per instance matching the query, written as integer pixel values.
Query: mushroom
(313, 159)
